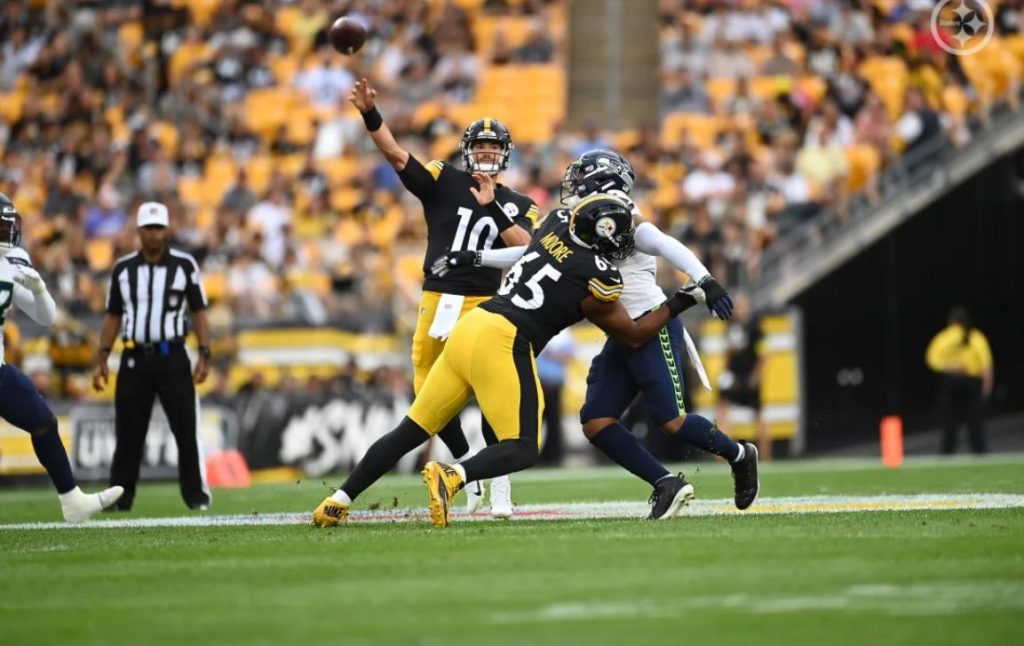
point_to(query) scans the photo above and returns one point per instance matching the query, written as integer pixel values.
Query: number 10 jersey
(457, 222)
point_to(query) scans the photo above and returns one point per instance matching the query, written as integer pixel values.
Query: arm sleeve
(419, 179)
(40, 307)
(650, 240)
(501, 258)
(194, 292)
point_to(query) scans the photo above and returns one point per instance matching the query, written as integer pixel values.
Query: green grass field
(945, 576)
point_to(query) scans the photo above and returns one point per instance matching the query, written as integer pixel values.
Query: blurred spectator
(682, 93)
(539, 46)
(739, 385)
(106, 218)
(551, 369)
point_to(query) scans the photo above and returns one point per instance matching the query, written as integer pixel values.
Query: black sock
(501, 459)
(702, 433)
(383, 455)
(626, 450)
(454, 438)
(51, 454)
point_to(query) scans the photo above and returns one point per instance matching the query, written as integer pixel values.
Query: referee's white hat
(152, 214)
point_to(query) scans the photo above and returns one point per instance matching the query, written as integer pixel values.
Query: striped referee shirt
(150, 298)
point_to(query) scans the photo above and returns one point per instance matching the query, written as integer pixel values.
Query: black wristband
(372, 119)
(680, 302)
(500, 217)
(204, 351)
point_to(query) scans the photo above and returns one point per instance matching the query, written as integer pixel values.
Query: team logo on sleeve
(511, 210)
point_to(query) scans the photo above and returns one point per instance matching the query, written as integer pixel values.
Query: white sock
(741, 454)
(70, 495)
(459, 469)
(341, 497)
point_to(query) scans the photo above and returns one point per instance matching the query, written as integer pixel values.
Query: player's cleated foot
(475, 496)
(443, 482)
(501, 497)
(744, 476)
(79, 506)
(330, 513)
(670, 494)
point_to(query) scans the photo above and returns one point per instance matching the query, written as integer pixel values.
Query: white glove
(29, 278)
(696, 291)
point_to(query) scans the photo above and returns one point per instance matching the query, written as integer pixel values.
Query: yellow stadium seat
(11, 105)
(283, 67)
(338, 169)
(99, 253)
(215, 284)
(345, 199)
(167, 134)
(719, 88)
(955, 101)
(703, 128)
(202, 10)
(258, 171)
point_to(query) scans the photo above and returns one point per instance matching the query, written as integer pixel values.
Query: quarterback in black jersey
(465, 210)
(566, 274)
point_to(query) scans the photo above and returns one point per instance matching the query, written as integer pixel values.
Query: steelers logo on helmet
(605, 228)
(603, 223)
(486, 161)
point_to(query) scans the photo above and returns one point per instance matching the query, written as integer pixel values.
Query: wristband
(372, 119)
(680, 302)
(204, 351)
(105, 351)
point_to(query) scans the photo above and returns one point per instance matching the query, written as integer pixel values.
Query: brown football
(347, 35)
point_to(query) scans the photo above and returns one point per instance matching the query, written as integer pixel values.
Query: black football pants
(142, 377)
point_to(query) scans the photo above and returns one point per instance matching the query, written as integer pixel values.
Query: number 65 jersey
(542, 294)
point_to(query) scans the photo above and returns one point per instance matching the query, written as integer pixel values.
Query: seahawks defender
(565, 275)
(618, 373)
(464, 209)
(20, 403)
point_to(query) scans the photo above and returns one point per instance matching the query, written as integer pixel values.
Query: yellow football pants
(426, 349)
(486, 356)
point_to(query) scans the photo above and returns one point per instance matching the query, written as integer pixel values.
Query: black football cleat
(670, 494)
(744, 476)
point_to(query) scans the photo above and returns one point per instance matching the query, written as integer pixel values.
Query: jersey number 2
(473, 244)
(536, 294)
(6, 298)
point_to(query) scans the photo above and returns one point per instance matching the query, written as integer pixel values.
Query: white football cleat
(474, 496)
(79, 506)
(501, 497)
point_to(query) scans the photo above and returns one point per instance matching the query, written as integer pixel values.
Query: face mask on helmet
(605, 224)
(10, 228)
(596, 171)
(488, 162)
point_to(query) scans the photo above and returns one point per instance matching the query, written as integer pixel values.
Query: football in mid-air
(347, 35)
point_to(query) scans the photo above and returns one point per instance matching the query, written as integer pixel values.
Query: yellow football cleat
(443, 482)
(329, 513)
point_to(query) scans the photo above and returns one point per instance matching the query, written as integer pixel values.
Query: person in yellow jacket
(961, 355)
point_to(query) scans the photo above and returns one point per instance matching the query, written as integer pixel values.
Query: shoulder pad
(18, 256)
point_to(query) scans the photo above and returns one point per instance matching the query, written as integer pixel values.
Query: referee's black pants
(142, 377)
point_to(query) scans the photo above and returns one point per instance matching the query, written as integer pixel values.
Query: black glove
(453, 259)
(718, 300)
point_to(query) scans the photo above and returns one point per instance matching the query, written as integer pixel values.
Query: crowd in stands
(234, 113)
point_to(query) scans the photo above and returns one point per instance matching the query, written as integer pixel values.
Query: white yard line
(583, 511)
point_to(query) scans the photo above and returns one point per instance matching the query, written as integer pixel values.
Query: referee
(146, 303)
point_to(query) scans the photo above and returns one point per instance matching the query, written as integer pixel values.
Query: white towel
(447, 314)
(691, 350)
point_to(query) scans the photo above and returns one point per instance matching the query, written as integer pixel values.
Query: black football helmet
(10, 225)
(486, 129)
(603, 223)
(597, 171)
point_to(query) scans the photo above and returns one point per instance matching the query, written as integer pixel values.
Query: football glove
(453, 259)
(685, 297)
(717, 299)
(29, 278)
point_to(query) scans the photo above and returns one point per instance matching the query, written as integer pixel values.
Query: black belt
(162, 348)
